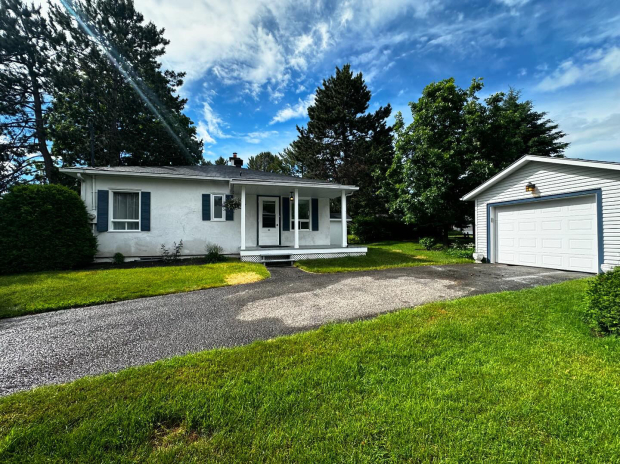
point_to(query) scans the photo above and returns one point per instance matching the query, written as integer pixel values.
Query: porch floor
(289, 253)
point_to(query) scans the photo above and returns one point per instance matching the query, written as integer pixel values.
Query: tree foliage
(27, 67)
(112, 79)
(344, 142)
(268, 162)
(455, 143)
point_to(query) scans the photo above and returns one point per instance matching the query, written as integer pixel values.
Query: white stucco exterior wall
(176, 214)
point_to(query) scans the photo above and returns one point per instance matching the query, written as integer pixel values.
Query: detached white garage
(555, 213)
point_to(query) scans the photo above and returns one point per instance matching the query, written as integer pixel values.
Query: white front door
(557, 234)
(268, 221)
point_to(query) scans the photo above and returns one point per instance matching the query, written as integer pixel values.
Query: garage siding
(553, 179)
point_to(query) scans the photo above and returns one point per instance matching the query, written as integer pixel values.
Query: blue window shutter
(230, 213)
(315, 214)
(145, 211)
(286, 214)
(103, 197)
(206, 206)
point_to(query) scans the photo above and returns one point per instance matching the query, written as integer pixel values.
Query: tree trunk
(40, 127)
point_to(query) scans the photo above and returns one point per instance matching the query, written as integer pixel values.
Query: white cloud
(591, 120)
(211, 125)
(513, 3)
(599, 65)
(602, 31)
(261, 43)
(259, 136)
(298, 110)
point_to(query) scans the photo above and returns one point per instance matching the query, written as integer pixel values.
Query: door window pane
(269, 214)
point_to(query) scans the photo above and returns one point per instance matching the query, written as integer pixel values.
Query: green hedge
(603, 303)
(370, 229)
(44, 227)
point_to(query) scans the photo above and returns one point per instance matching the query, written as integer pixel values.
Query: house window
(218, 208)
(125, 211)
(304, 215)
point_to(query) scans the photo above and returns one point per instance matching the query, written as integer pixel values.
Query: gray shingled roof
(224, 172)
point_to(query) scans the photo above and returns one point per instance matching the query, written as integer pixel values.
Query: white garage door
(558, 234)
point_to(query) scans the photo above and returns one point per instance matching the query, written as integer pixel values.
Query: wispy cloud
(259, 136)
(596, 66)
(298, 110)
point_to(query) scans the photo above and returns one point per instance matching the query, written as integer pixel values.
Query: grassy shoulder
(383, 255)
(47, 291)
(509, 377)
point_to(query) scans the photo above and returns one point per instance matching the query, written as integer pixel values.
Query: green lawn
(46, 291)
(383, 255)
(509, 377)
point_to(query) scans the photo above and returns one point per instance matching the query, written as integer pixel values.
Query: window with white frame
(125, 210)
(219, 213)
(304, 214)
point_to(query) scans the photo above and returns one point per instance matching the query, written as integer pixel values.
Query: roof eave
(542, 159)
(95, 172)
(239, 181)
(293, 183)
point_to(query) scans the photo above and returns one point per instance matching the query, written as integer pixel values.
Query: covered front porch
(290, 220)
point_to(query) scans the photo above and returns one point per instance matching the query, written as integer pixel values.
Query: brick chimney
(234, 161)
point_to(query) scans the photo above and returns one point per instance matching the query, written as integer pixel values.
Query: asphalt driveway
(61, 346)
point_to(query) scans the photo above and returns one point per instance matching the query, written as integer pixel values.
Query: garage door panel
(581, 225)
(551, 225)
(581, 264)
(527, 226)
(527, 242)
(559, 234)
(552, 261)
(552, 243)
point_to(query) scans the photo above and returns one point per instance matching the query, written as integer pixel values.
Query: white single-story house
(282, 218)
(558, 213)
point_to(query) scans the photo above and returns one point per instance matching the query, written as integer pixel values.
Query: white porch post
(296, 218)
(243, 217)
(343, 213)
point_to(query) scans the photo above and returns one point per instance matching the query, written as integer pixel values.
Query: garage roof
(541, 159)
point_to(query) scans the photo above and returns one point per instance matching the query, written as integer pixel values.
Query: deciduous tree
(456, 142)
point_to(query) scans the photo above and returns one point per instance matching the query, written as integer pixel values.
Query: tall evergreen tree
(15, 163)
(114, 82)
(221, 161)
(292, 163)
(268, 162)
(455, 143)
(345, 143)
(27, 42)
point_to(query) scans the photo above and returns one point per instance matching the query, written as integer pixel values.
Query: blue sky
(253, 66)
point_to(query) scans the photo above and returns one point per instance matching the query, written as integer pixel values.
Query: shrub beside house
(44, 227)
